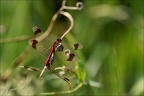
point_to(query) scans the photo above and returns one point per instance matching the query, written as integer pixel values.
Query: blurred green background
(111, 32)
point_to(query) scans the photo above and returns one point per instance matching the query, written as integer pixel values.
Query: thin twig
(71, 8)
(71, 23)
(17, 39)
(63, 3)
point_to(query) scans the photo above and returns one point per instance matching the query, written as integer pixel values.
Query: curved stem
(65, 92)
(47, 32)
(71, 23)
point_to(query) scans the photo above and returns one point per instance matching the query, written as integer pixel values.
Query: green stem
(64, 92)
(16, 39)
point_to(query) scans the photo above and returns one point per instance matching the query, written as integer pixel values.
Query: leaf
(80, 70)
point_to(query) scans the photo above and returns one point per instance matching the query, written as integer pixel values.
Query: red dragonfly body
(54, 48)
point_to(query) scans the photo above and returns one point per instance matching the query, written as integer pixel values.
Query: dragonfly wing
(77, 46)
(44, 45)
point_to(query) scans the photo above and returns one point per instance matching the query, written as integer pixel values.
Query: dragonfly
(57, 46)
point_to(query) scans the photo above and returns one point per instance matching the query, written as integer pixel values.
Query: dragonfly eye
(60, 48)
(36, 30)
(59, 40)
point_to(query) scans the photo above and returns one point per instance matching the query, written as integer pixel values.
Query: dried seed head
(62, 73)
(79, 5)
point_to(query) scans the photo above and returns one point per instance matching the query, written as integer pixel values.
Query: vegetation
(110, 63)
